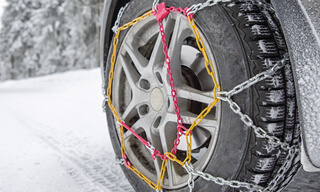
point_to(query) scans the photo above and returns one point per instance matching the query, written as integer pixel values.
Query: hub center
(156, 99)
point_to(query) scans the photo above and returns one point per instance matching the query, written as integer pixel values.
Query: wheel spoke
(155, 141)
(127, 114)
(131, 109)
(130, 72)
(180, 31)
(172, 174)
(190, 93)
(143, 124)
(168, 133)
(139, 60)
(157, 55)
(188, 118)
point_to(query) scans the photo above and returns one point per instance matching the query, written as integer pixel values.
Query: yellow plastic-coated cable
(114, 58)
(151, 184)
(123, 149)
(189, 144)
(162, 172)
(211, 72)
(173, 158)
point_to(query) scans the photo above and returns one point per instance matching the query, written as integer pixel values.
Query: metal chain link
(218, 180)
(155, 4)
(115, 28)
(105, 100)
(190, 170)
(294, 150)
(197, 7)
(275, 141)
(257, 78)
(233, 184)
(120, 161)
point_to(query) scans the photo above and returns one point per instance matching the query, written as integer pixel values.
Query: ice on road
(53, 138)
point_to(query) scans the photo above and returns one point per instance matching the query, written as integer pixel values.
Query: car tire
(243, 39)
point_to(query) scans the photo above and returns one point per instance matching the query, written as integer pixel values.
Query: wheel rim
(142, 96)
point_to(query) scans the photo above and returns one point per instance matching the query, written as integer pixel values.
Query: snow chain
(161, 12)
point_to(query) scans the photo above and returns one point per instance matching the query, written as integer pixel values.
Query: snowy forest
(41, 37)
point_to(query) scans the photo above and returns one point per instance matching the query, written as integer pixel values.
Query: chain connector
(161, 12)
(223, 95)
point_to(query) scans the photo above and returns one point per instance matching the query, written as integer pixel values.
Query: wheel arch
(302, 33)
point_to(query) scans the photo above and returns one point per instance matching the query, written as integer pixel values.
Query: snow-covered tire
(244, 39)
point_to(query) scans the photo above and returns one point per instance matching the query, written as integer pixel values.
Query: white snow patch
(257, 178)
(231, 4)
(260, 30)
(275, 96)
(266, 47)
(275, 112)
(288, 136)
(291, 108)
(275, 81)
(256, 29)
(248, 6)
(265, 164)
(272, 127)
(268, 63)
(269, 147)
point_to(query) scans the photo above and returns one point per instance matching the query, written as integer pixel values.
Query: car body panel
(300, 23)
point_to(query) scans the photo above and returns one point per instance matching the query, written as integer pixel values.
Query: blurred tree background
(40, 37)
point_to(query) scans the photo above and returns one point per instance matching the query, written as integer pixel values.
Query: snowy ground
(53, 137)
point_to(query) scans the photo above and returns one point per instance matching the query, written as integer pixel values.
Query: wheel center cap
(157, 99)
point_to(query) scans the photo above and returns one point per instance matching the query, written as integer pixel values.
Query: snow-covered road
(53, 138)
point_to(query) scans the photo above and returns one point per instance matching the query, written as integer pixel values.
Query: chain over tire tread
(275, 109)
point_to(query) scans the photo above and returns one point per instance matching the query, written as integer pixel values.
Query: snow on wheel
(242, 39)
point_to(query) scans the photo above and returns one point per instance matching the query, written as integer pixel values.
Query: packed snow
(54, 138)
